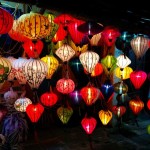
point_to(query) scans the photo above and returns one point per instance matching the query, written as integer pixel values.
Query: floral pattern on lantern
(119, 111)
(89, 60)
(120, 88)
(65, 85)
(35, 71)
(105, 116)
(22, 103)
(89, 124)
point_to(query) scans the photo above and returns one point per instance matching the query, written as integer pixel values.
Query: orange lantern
(119, 110)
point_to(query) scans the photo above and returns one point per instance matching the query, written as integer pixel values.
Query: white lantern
(35, 70)
(22, 103)
(65, 52)
(89, 60)
(17, 65)
(123, 61)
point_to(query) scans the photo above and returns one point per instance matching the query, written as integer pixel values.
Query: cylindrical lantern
(120, 87)
(22, 103)
(52, 64)
(6, 21)
(34, 25)
(119, 111)
(89, 124)
(89, 60)
(138, 78)
(34, 111)
(65, 85)
(35, 71)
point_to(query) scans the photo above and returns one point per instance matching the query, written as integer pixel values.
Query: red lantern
(136, 105)
(89, 124)
(148, 104)
(119, 110)
(65, 85)
(34, 111)
(49, 99)
(6, 21)
(33, 48)
(89, 94)
(138, 78)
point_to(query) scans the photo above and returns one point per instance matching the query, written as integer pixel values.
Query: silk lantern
(136, 105)
(98, 70)
(138, 78)
(52, 64)
(139, 45)
(89, 59)
(65, 85)
(105, 116)
(6, 21)
(119, 111)
(64, 114)
(5, 68)
(120, 88)
(89, 124)
(33, 48)
(34, 25)
(94, 41)
(35, 71)
(148, 104)
(22, 103)
(34, 111)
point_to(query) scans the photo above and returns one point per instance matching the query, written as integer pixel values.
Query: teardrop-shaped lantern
(22, 103)
(119, 111)
(35, 71)
(64, 114)
(105, 116)
(120, 87)
(89, 60)
(65, 52)
(52, 64)
(138, 78)
(34, 111)
(89, 124)
(140, 45)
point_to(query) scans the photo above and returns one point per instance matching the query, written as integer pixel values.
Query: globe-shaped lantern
(119, 111)
(65, 52)
(6, 21)
(89, 60)
(22, 103)
(65, 85)
(34, 25)
(52, 64)
(35, 71)
(138, 78)
(5, 68)
(89, 124)
(120, 88)
(140, 45)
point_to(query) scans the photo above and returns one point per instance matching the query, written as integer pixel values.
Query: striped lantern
(35, 71)
(89, 59)
(34, 25)
(139, 45)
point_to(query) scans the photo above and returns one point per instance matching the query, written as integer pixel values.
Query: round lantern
(34, 25)
(89, 94)
(120, 87)
(34, 111)
(52, 64)
(17, 65)
(35, 71)
(65, 52)
(98, 70)
(89, 60)
(105, 116)
(65, 86)
(123, 73)
(22, 103)
(5, 68)
(64, 114)
(136, 105)
(89, 124)
(119, 111)
(49, 99)
(33, 48)
(6, 21)
(140, 45)
(138, 78)
(148, 104)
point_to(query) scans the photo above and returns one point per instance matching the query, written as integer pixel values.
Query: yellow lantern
(123, 73)
(34, 25)
(52, 64)
(105, 116)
